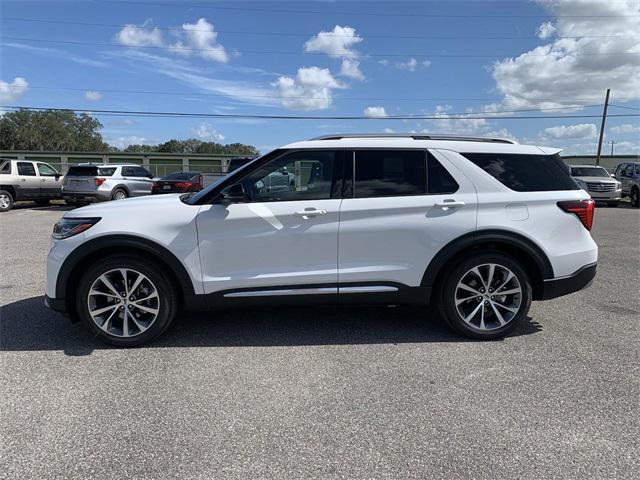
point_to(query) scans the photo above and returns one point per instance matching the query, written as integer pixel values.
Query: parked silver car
(599, 183)
(95, 183)
(629, 175)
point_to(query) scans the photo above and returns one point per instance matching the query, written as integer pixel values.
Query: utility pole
(612, 144)
(604, 119)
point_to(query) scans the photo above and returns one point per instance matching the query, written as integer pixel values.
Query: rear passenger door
(139, 180)
(28, 181)
(400, 208)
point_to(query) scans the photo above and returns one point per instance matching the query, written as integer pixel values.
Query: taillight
(583, 209)
(155, 185)
(200, 182)
(184, 184)
(99, 181)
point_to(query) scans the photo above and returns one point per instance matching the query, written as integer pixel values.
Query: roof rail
(425, 136)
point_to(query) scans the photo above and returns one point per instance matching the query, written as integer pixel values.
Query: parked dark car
(178, 182)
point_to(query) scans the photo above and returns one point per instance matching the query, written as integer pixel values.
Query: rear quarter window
(107, 171)
(525, 173)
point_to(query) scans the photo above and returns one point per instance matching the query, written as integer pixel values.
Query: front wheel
(635, 198)
(485, 295)
(126, 301)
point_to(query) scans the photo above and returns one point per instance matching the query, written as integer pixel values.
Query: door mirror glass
(233, 194)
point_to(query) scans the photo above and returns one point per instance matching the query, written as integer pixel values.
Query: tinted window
(389, 173)
(589, 172)
(46, 170)
(236, 163)
(6, 167)
(302, 175)
(128, 172)
(82, 171)
(180, 176)
(637, 168)
(141, 172)
(107, 171)
(26, 168)
(526, 173)
(439, 180)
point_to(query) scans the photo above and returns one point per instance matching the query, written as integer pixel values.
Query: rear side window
(6, 167)
(26, 168)
(106, 171)
(390, 173)
(525, 173)
(82, 171)
(439, 181)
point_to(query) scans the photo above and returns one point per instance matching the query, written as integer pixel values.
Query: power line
(303, 117)
(360, 13)
(623, 106)
(274, 52)
(389, 99)
(305, 35)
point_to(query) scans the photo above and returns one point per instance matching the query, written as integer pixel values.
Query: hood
(127, 206)
(597, 179)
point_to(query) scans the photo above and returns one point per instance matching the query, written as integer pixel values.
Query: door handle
(311, 212)
(23, 180)
(449, 203)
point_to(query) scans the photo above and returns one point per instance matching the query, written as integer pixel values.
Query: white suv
(480, 227)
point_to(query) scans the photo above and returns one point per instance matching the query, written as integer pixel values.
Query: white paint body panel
(389, 239)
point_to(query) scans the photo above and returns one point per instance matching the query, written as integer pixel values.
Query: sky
(461, 59)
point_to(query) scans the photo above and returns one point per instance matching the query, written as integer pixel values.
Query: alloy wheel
(119, 195)
(488, 296)
(5, 201)
(123, 302)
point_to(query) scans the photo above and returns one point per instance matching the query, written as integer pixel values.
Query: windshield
(589, 172)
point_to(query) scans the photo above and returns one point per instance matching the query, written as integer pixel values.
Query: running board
(312, 291)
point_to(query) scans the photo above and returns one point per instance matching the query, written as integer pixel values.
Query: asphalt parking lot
(323, 393)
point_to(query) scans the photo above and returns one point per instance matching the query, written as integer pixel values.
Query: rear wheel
(635, 197)
(119, 194)
(485, 295)
(6, 201)
(126, 301)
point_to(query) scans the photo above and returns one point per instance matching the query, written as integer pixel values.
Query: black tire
(635, 197)
(166, 302)
(116, 194)
(6, 201)
(493, 328)
(42, 202)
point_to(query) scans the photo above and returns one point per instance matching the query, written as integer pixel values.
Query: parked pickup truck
(28, 180)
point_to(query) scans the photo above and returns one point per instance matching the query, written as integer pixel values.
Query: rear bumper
(557, 287)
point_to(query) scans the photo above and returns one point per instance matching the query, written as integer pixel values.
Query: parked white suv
(479, 227)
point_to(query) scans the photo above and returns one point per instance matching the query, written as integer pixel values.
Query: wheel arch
(74, 265)
(534, 260)
(121, 186)
(9, 189)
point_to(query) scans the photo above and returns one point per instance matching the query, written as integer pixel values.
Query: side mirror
(233, 194)
(57, 176)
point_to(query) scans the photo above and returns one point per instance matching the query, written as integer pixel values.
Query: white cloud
(582, 130)
(124, 142)
(309, 90)
(351, 68)
(205, 131)
(92, 95)
(336, 43)
(389, 130)
(410, 65)
(625, 128)
(10, 92)
(373, 112)
(384, 62)
(546, 30)
(201, 39)
(57, 53)
(565, 71)
(140, 36)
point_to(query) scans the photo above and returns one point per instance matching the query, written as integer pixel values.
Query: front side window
(141, 172)
(525, 173)
(46, 170)
(637, 168)
(26, 168)
(300, 175)
(629, 170)
(390, 173)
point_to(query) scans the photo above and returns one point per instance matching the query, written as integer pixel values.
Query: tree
(50, 130)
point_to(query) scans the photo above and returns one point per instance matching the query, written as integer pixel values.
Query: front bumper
(606, 196)
(557, 287)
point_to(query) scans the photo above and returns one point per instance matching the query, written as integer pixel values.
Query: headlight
(68, 227)
(618, 185)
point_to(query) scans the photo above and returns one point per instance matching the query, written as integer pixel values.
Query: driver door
(282, 239)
